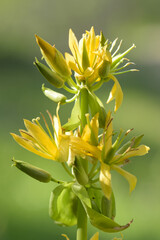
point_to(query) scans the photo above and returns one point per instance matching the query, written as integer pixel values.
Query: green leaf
(96, 105)
(95, 196)
(63, 206)
(82, 194)
(97, 219)
(74, 120)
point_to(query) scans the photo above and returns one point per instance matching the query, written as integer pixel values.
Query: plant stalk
(82, 216)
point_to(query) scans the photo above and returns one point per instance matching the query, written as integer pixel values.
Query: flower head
(36, 140)
(112, 156)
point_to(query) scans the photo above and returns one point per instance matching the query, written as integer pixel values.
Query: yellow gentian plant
(86, 145)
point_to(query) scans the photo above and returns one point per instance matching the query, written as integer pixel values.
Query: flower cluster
(87, 145)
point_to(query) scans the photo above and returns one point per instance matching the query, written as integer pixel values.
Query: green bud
(53, 57)
(104, 69)
(79, 172)
(54, 96)
(54, 78)
(34, 172)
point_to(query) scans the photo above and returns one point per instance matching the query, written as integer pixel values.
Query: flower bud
(54, 96)
(79, 172)
(34, 172)
(53, 57)
(104, 69)
(55, 79)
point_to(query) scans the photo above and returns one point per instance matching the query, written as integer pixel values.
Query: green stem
(81, 215)
(84, 110)
(81, 223)
(84, 107)
(67, 170)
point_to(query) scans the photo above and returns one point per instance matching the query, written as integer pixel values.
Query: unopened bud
(34, 172)
(79, 172)
(54, 96)
(53, 57)
(104, 69)
(55, 79)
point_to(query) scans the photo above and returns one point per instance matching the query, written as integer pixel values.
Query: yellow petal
(95, 236)
(26, 135)
(73, 45)
(81, 147)
(139, 151)
(71, 63)
(29, 146)
(41, 137)
(63, 148)
(132, 180)
(86, 134)
(116, 93)
(105, 180)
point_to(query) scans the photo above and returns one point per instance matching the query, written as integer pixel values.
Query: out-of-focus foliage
(23, 202)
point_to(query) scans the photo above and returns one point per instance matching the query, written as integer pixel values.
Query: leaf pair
(63, 208)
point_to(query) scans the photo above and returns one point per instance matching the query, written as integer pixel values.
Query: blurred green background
(23, 201)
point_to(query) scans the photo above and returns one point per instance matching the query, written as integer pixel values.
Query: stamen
(126, 65)
(113, 44)
(117, 49)
(47, 127)
(128, 131)
(130, 70)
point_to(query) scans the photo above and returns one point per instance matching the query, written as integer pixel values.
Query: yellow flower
(109, 154)
(93, 62)
(87, 57)
(36, 140)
